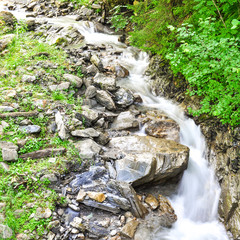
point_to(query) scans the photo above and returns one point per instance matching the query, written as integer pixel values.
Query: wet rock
(171, 158)
(97, 196)
(124, 97)
(121, 71)
(152, 201)
(166, 210)
(88, 116)
(91, 92)
(74, 80)
(167, 128)
(5, 40)
(104, 82)
(62, 132)
(87, 148)
(125, 120)
(105, 99)
(30, 129)
(5, 232)
(96, 230)
(86, 133)
(97, 62)
(129, 229)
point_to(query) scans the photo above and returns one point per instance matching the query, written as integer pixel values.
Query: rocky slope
(54, 111)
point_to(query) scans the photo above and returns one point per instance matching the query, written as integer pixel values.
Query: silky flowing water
(196, 201)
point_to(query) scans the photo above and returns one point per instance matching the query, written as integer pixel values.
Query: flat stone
(171, 158)
(9, 93)
(81, 196)
(42, 213)
(28, 78)
(97, 196)
(125, 120)
(86, 133)
(88, 116)
(74, 80)
(74, 207)
(129, 229)
(152, 201)
(8, 145)
(104, 82)
(87, 148)
(9, 154)
(5, 232)
(29, 129)
(6, 109)
(105, 99)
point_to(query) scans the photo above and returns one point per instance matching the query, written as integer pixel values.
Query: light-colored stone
(104, 82)
(5, 231)
(77, 223)
(28, 78)
(91, 92)
(125, 120)
(42, 213)
(87, 148)
(171, 158)
(62, 132)
(85, 133)
(29, 129)
(105, 99)
(9, 154)
(81, 196)
(97, 196)
(87, 115)
(6, 109)
(74, 80)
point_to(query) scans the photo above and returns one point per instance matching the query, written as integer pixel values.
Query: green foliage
(210, 63)
(33, 144)
(119, 20)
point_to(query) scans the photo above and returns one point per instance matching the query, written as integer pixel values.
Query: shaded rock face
(149, 159)
(7, 21)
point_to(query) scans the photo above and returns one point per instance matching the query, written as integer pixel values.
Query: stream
(196, 201)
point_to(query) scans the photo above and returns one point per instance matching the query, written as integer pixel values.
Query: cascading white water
(196, 202)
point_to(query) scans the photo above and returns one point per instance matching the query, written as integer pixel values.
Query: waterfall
(196, 202)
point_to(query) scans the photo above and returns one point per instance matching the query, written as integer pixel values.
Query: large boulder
(149, 159)
(105, 82)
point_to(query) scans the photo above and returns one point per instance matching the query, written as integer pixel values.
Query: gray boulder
(104, 82)
(149, 159)
(87, 148)
(74, 80)
(124, 97)
(125, 120)
(105, 99)
(30, 129)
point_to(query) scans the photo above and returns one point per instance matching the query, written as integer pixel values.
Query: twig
(219, 13)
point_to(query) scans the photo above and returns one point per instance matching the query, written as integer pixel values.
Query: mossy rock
(7, 22)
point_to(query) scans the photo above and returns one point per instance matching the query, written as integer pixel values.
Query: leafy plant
(210, 63)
